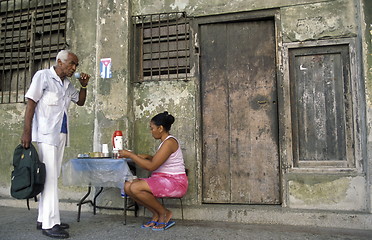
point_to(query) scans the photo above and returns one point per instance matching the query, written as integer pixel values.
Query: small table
(98, 172)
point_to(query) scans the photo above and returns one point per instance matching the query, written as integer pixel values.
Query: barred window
(162, 47)
(32, 32)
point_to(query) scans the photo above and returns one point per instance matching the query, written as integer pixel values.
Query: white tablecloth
(98, 172)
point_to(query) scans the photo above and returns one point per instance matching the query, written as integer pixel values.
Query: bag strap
(28, 202)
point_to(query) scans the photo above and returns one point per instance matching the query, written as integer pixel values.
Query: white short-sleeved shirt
(53, 98)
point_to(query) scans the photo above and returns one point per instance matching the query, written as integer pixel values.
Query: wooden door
(239, 112)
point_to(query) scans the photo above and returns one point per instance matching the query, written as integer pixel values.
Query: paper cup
(105, 148)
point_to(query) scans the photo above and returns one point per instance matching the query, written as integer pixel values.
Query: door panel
(215, 109)
(240, 133)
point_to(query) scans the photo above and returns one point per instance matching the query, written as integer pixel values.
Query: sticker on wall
(105, 68)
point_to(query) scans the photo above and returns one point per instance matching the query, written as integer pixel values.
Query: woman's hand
(125, 154)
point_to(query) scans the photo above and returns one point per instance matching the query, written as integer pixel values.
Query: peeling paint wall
(319, 21)
(367, 52)
(178, 98)
(112, 99)
(95, 30)
(299, 21)
(208, 7)
(326, 20)
(110, 96)
(11, 125)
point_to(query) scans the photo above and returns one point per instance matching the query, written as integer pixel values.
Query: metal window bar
(159, 49)
(151, 42)
(26, 53)
(177, 45)
(50, 35)
(163, 49)
(141, 54)
(2, 45)
(187, 31)
(31, 47)
(11, 51)
(19, 48)
(42, 29)
(168, 58)
(59, 24)
(25, 26)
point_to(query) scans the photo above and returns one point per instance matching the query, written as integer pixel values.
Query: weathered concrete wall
(317, 21)
(299, 21)
(96, 30)
(367, 62)
(208, 7)
(81, 29)
(101, 29)
(178, 98)
(315, 191)
(11, 125)
(112, 97)
(325, 20)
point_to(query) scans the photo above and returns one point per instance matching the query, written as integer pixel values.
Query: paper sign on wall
(105, 68)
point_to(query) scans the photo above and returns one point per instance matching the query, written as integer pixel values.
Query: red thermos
(117, 141)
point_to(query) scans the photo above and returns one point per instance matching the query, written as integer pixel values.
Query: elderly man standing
(46, 123)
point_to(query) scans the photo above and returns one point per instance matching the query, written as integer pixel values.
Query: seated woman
(168, 178)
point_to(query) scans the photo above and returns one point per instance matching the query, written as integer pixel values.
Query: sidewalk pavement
(20, 224)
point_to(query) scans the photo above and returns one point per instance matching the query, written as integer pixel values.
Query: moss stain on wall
(311, 191)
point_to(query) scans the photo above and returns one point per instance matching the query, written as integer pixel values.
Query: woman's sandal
(166, 226)
(148, 224)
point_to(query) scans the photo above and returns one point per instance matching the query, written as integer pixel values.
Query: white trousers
(52, 157)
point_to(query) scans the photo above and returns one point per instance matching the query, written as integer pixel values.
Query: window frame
(160, 23)
(354, 161)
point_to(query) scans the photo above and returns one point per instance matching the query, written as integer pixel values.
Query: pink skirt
(167, 185)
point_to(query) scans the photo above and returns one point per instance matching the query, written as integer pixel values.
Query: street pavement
(20, 224)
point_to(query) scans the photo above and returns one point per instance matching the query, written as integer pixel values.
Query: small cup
(105, 148)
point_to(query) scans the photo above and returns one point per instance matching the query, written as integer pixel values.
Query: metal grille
(31, 34)
(163, 46)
